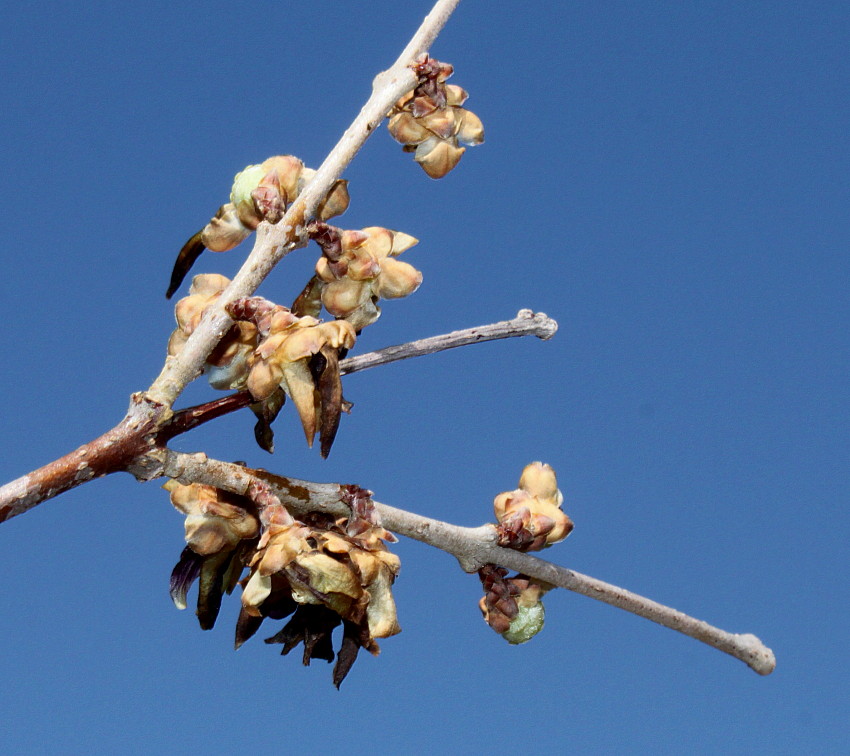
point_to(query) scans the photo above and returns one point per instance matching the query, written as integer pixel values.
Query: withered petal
(330, 395)
(266, 413)
(347, 652)
(246, 626)
(185, 573)
(211, 588)
(313, 625)
(190, 252)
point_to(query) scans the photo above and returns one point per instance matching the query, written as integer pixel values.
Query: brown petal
(439, 159)
(406, 129)
(330, 395)
(471, 129)
(335, 202)
(266, 412)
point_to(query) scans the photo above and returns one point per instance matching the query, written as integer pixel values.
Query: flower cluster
(511, 606)
(430, 120)
(260, 192)
(324, 572)
(356, 269)
(272, 353)
(530, 518)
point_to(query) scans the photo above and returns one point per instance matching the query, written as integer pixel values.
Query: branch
(272, 243)
(526, 323)
(473, 547)
(129, 445)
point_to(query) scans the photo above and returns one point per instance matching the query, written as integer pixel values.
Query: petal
(225, 230)
(341, 298)
(380, 241)
(335, 202)
(185, 573)
(264, 379)
(402, 242)
(289, 170)
(539, 480)
(406, 129)
(256, 590)
(455, 95)
(381, 612)
(298, 383)
(471, 129)
(439, 159)
(397, 279)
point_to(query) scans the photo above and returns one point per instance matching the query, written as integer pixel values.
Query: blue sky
(667, 180)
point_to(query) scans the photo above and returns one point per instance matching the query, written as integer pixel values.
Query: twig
(473, 548)
(526, 323)
(272, 243)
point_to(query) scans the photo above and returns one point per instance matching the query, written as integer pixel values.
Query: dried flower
(301, 356)
(429, 121)
(220, 532)
(227, 365)
(326, 575)
(358, 268)
(530, 518)
(260, 192)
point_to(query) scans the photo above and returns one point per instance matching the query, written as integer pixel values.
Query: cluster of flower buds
(272, 353)
(530, 518)
(221, 533)
(261, 192)
(323, 572)
(356, 269)
(511, 606)
(430, 120)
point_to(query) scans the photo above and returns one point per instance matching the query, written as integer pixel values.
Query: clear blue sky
(668, 180)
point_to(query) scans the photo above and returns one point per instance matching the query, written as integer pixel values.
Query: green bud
(527, 623)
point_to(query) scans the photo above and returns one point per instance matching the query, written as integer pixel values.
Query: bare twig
(473, 547)
(526, 323)
(272, 243)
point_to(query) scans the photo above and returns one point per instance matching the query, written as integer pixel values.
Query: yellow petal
(539, 480)
(397, 279)
(264, 379)
(329, 575)
(380, 241)
(402, 242)
(256, 590)
(381, 612)
(289, 170)
(298, 383)
(224, 231)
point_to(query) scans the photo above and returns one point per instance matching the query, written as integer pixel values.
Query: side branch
(473, 547)
(526, 323)
(273, 242)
